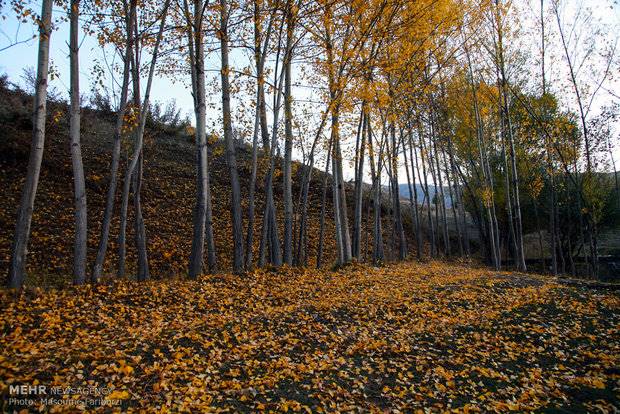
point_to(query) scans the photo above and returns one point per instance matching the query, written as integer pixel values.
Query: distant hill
(404, 193)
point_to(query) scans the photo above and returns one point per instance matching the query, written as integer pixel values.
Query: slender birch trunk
(79, 185)
(512, 239)
(442, 198)
(319, 254)
(288, 139)
(359, 183)
(139, 229)
(458, 193)
(301, 256)
(489, 203)
(269, 237)
(518, 226)
(591, 221)
(259, 58)
(375, 171)
(398, 219)
(116, 147)
(431, 228)
(19, 249)
(231, 160)
(336, 204)
(249, 241)
(451, 193)
(341, 191)
(414, 161)
(135, 158)
(136, 181)
(203, 216)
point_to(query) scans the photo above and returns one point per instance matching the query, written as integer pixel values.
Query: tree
(134, 168)
(508, 132)
(24, 218)
(288, 133)
(584, 36)
(231, 160)
(81, 229)
(129, 17)
(202, 219)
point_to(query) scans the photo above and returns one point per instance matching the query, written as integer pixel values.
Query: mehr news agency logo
(24, 395)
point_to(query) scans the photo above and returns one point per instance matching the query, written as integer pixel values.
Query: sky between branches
(18, 51)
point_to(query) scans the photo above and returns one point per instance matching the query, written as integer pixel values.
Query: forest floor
(401, 338)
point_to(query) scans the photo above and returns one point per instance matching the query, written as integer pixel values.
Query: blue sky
(14, 60)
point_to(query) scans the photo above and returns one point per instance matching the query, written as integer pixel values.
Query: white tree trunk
(231, 160)
(116, 151)
(79, 186)
(26, 206)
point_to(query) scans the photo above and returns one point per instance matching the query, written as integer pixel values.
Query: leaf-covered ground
(407, 337)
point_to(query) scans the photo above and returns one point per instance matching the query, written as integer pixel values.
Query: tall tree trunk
(553, 226)
(515, 182)
(591, 221)
(269, 236)
(139, 230)
(259, 60)
(423, 154)
(116, 148)
(79, 185)
(202, 219)
(512, 239)
(613, 165)
(398, 218)
(431, 162)
(346, 238)
(489, 201)
(249, 241)
(343, 238)
(452, 194)
(458, 209)
(24, 217)
(432, 224)
(359, 183)
(319, 254)
(136, 183)
(462, 212)
(413, 195)
(540, 237)
(518, 227)
(137, 153)
(288, 139)
(340, 205)
(259, 126)
(378, 254)
(552, 206)
(336, 204)
(442, 198)
(301, 256)
(231, 160)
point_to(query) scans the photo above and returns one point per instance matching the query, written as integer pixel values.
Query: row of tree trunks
(135, 162)
(130, 11)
